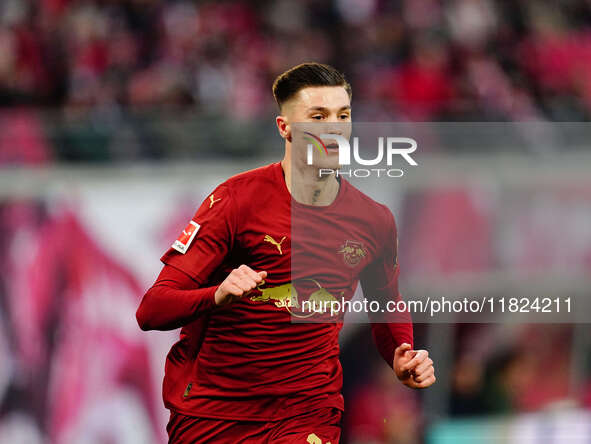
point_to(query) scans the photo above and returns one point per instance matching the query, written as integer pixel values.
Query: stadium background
(118, 117)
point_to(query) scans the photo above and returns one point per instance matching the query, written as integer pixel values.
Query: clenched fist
(414, 368)
(238, 283)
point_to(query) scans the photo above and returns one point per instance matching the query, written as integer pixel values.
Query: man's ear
(284, 127)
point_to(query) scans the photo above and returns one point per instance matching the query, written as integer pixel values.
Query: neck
(307, 187)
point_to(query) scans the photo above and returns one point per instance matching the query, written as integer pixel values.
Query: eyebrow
(323, 108)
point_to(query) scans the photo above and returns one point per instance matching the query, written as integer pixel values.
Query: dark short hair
(304, 75)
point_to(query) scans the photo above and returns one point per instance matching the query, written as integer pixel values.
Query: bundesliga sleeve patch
(184, 240)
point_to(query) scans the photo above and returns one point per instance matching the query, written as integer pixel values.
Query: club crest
(353, 252)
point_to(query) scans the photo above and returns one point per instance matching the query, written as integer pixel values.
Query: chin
(329, 162)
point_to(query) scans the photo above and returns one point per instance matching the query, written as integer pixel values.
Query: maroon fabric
(173, 301)
(317, 427)
(254, 359)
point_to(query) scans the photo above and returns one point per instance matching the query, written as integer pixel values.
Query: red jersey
(249, 360)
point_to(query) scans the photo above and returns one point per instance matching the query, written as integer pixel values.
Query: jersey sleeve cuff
(208, 295)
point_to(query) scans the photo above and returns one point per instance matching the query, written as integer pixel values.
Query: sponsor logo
(272, 241)
(184, 240)
(212, 200)
(286, 296)
(283, 296)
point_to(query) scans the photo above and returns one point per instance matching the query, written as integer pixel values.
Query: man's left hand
(414, 368)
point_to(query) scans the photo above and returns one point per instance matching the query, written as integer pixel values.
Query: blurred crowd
(498, 371)
(424, 60)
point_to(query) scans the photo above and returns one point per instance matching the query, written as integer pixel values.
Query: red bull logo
(353, 252)
(283, 296)
(286, 296)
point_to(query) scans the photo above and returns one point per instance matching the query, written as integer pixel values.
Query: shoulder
(376, 212)
(235, 194)
(252, 179)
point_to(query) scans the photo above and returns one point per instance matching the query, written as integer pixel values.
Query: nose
(334, 128)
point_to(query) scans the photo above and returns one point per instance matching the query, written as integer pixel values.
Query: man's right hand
(238, 283)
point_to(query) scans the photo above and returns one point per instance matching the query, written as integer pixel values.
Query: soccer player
(242, 370)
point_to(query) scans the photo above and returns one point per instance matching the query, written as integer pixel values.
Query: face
(311, 112)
